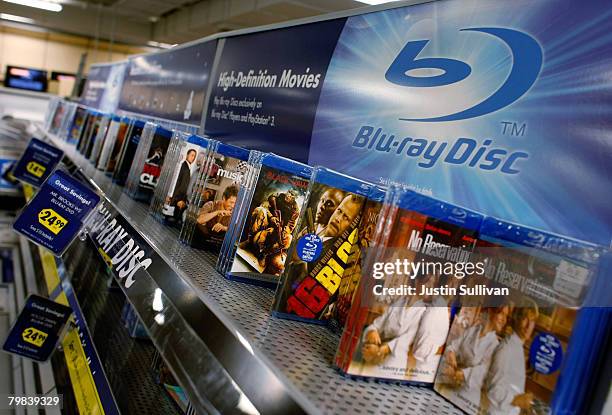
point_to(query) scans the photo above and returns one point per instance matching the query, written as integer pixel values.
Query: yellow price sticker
(34, 336)
(35, 168)
(51, 220)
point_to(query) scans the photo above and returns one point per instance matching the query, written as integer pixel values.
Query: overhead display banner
(492, 105)
(103, 86)
(170, 84)
(267, 85)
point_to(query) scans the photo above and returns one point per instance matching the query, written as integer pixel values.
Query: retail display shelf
(280, 366)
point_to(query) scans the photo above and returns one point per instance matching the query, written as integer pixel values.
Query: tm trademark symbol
(513, 128)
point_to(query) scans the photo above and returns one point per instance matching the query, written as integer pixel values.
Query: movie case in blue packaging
(191, 157)
(245, 193)
(322, 242)
(127, 153)
(195, 191)
(218, 196)
(540, 337)
(147, 175)
(100, 138)
(77, 124)
(396, 329)
(267, 224)
(85, 132)
(180, 191)
(117, 126)
(178, 137)
(125, 128)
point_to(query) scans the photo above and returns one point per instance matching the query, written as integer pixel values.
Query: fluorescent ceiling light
(375, 2)
(161, 45)
(38, 4)
(14, 18)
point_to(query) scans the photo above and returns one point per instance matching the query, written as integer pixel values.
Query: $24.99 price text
(51, 220)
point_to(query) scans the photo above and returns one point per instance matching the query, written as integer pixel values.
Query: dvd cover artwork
(172, 156)
(50, 112)
(271, 219)
(189, 162)
(356, 264)
(391, 332)
(327, 232)
(78, 124)
(89, 133)
(239, 217)
(507, 359)
(93, 134)
(58, 117)
(108, 142)
(128, 151)
(219, 194)
(124, 131)
(153, 163)
(100, 138)
(85, 131)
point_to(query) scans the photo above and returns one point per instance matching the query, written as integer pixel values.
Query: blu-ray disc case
(153, 162)
(86, 131)
(78, 123)
(58, 117)
(100, 138)
(177, 142)
(92, 135)
(391, 332)
(269, 221)
(115, 127)
(508, 359)
(125, 129)
(356, 265)
(188, 164)
(322, 244)
(238, 219)
(128, 151)
(219, 194)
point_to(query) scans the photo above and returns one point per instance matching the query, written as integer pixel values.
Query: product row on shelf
(492, 314)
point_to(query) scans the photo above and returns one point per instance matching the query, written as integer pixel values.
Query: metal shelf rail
(219, 339)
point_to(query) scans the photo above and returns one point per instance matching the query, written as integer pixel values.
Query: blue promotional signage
(55, 215)
(103, 87)
(267, 85)
(37, 162)
(37, 329)
(170, 84)
(479, 103)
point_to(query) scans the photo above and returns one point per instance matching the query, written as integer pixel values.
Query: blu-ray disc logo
(535, 238)
(459, 213)
(526, 66)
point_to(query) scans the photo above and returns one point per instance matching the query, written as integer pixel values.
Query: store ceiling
(170, 21)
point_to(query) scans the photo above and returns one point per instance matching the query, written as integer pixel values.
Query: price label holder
(38, 328)
(37, 162)
(56, 214)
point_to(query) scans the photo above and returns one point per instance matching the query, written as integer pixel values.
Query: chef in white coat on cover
(507, 375)
(430, 337)
(387, 341)
(467, 358)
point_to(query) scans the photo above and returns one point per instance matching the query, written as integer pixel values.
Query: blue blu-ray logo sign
(526, 65)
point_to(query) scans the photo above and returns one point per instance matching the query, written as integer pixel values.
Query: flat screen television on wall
(25, 78)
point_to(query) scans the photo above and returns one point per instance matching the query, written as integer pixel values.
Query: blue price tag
(37, 162)
(37, 329)
(55, 215)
